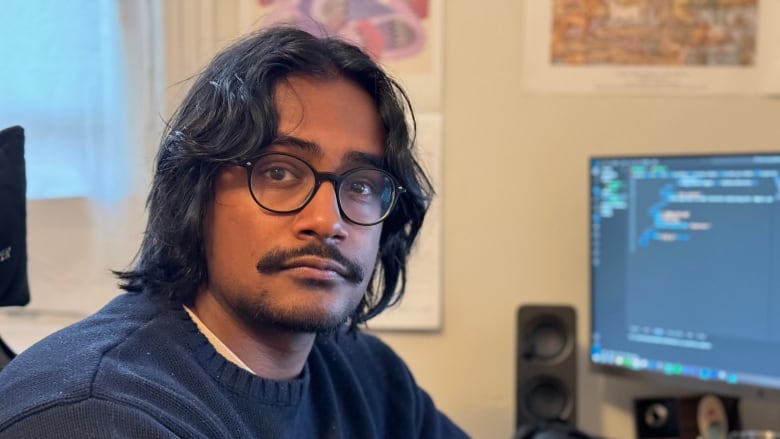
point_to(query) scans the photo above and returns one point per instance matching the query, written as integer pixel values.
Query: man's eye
(280, 174)
(361, 187)
(276, 173)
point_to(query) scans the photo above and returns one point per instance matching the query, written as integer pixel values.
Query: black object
(6, 354)
(550, 430)
(546, 368)
(680, 417)
(14, 289)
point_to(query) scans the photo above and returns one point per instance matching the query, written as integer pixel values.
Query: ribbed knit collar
(236, 379)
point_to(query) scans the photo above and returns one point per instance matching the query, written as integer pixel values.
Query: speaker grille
(546, 364)
(546, 397)
(547, 340)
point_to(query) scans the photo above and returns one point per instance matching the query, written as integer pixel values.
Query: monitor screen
(685, 270)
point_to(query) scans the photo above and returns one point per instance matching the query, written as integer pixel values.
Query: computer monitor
(685, 270)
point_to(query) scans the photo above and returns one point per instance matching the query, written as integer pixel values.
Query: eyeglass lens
(284, 183)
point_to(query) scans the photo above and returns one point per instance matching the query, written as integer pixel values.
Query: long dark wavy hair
(229, 114)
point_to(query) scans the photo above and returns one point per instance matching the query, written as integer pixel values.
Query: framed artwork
(652, 46)
(405, 36)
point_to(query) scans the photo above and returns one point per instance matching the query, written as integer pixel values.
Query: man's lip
(318, 263)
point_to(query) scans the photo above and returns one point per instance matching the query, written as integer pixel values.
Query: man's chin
(302, 320)
(293, 308)
(310, 324)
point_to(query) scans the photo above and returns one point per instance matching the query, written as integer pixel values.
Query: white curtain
(73, 75)
(85, 78)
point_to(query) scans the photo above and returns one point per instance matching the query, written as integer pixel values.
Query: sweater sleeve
(89, 418)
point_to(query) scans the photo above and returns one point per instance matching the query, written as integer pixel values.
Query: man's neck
(268, 352)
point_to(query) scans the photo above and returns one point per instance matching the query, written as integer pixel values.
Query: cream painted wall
(515, 215)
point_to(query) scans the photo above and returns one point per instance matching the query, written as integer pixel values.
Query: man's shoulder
(66, 365)
(87, 340)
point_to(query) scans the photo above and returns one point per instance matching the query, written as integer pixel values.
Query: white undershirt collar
(220, 347)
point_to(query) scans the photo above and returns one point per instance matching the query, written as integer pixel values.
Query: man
(284, 204)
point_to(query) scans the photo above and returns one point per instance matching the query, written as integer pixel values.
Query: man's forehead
(312, 149)
(316, 112)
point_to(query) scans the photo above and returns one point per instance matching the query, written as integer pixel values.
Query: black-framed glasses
(283, 183)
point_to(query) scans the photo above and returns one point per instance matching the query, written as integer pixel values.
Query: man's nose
(321, 216)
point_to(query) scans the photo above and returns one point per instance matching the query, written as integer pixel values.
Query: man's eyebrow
(352, 157)
(305, 145)
(363, 158)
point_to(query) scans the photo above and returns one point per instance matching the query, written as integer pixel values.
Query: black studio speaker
(687, 417)
(546, 366)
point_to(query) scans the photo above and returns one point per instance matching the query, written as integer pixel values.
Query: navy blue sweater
(140, 368)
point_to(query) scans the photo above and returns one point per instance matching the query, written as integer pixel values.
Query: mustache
(277, 259)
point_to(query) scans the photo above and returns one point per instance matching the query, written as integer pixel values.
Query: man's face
(304, 271)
